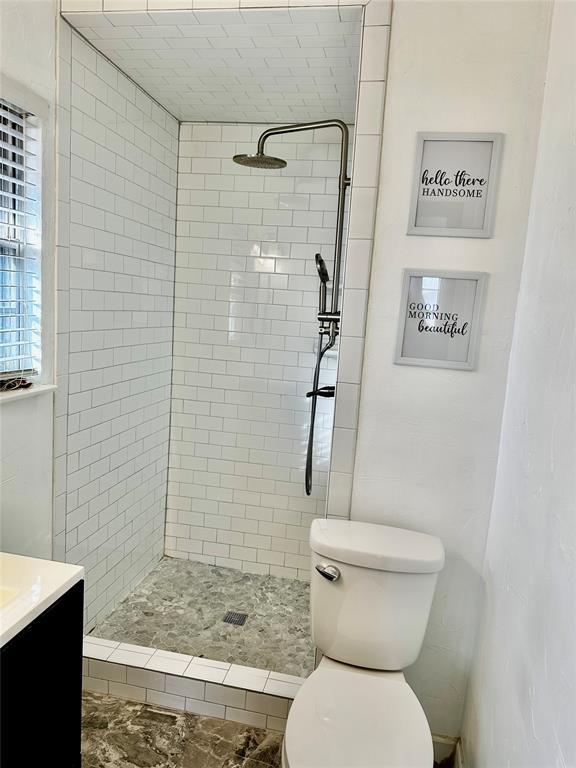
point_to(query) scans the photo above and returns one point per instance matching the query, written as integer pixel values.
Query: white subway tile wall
(357, 274)
(115, 324)
(62, 291)
(244, 348)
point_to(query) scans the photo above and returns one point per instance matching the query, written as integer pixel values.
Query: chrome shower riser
(329, 320)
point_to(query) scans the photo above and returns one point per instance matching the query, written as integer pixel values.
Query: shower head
(260, 160)
(321, 267)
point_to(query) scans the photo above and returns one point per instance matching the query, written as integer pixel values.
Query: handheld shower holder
(328, 317)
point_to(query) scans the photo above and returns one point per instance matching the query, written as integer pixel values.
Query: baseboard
(459, 761)
(444, 746)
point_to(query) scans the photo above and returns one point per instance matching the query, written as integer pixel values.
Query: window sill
(22, 394)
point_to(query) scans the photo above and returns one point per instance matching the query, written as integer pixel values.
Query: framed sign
(454, 187)
(440, 318)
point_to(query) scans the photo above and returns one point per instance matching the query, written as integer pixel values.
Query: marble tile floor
(180, 607)
(126, 734)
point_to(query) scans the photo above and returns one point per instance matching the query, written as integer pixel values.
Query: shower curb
(257, 697)
(248, 695)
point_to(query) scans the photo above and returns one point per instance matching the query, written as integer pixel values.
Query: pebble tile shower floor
(181, 605)
(125, 734)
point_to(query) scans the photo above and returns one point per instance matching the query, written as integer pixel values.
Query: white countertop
(27, 587)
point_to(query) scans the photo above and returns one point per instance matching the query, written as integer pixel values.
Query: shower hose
(315, 393)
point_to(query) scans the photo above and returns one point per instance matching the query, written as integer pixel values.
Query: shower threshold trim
(257, 697)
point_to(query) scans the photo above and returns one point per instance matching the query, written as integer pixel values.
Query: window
(20, 241)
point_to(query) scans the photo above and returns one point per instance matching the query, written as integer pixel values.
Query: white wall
(244, 340)
(26, 476)
(28, 44)
(116, 286)
(428, 438)
(522, 697)
(28, 73)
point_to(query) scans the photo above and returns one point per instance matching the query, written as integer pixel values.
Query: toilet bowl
(346, 717)
(370, 597)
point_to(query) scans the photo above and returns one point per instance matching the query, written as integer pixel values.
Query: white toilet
(371, 592)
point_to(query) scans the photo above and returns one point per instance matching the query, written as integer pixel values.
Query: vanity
(41, 627)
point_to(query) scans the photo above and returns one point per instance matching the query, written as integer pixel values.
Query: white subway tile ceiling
(250, 65)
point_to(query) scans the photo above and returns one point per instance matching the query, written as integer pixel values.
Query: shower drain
(234, 617)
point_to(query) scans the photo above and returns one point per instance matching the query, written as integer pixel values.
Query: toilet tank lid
(381, 547)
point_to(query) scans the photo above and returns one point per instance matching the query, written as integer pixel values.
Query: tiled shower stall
(246, 299)
(187, 297)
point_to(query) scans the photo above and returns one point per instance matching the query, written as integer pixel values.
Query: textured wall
(245, 329)
(522, 698)
(118, 174)
(26, 475)
(428, 438)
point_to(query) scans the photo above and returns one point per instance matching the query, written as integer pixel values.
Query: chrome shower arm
(343, 183)
(297, 127)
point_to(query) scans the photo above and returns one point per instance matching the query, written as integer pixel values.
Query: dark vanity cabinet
(41, 688)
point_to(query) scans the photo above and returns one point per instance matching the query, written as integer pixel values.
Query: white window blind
(20, 241)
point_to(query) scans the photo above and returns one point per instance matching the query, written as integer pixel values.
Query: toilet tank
(374, 613)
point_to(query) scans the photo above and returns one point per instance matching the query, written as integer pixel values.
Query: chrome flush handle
(329, 572)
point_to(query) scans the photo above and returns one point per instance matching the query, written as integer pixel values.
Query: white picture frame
(454, 184)
(445, 331)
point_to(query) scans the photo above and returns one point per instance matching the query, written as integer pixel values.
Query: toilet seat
(347, 717)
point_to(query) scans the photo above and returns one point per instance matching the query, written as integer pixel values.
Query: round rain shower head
(266, 162)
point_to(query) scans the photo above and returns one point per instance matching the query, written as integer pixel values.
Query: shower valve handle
(322, 392)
